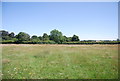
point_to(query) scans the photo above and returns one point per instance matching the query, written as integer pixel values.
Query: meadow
(28, 61)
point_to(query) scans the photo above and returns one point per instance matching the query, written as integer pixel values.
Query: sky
(60, 0)
(88, 20)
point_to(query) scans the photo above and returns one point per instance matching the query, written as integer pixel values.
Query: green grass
(60, 62)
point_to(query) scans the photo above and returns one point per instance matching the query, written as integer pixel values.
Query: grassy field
(60, 61)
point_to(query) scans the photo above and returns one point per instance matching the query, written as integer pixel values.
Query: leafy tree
(65, 38)
(75, 38)
(6, 38)
(22, 36)
(45, 37)
(69, 39)
(4, 35)
(12, 35)
(56, 36)
(34, 38)
(118, 39)
(40, 37)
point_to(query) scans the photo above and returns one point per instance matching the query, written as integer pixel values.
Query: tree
(12, 35)
(64, 38)
(118, 39)
(34, 37)
(22, 36)
(56, 36)
(75, 38)
(45, 37)
(69, 39)
(4, 35)
(40, 37)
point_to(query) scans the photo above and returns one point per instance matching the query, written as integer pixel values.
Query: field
(59, 61)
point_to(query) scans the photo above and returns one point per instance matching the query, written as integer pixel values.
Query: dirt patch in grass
(4, 61)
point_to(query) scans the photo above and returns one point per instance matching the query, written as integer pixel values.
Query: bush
(15, 41)
(7, 41)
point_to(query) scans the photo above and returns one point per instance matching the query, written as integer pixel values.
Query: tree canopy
(22, 36)
(56, 36)
(75, 38)
(45, 37)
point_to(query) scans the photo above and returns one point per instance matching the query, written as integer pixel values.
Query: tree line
(55, 37)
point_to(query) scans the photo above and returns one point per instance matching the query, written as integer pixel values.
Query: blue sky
(88, 20)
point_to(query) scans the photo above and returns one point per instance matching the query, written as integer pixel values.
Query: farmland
(44, 61)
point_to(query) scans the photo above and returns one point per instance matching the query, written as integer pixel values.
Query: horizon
(36, 18)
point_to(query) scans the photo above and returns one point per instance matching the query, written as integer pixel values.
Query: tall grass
(60, 61)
